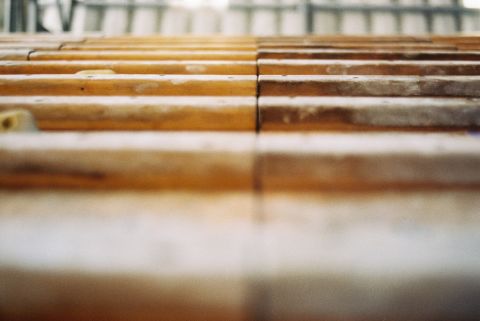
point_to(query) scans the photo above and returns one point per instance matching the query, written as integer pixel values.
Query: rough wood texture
(142, 55)
(132, 85)
(366, 67)
(124, 255)
(137, 113)
(340, 85)
(205, 67)
(128, 160)
(373, 113)
(367, 54)
(362, 161)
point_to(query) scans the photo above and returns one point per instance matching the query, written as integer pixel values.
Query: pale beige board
(353, 23)
(325, 22)
(264, 21)
(115, 20)
(413, 23)
(205, 21)
(174, 21)
(144, 19)
(384, 23)
(443, 23)
(125, 255)
(387, 255)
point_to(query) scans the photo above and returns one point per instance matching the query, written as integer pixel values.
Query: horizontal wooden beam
(366, 67)
(367, 54)
(206, 67)
(137, 113)
(128, 85)
(358, 45)
(166, 47)
(128, 160)
(142, 55)
(372, 113)
(31, 45)
(362, 161)
(405, 86)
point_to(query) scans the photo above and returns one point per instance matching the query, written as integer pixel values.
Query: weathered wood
(193, 67)
(168, 47)
(137, 113)
(127, 160)
(364, 161)
(183, 255)
(142, 55)
(366, 67)
(405, 86)
(175, 39)
(371, 256)
(14, 54)
(359, 45)
(130, 85)
(373, 113)
(367, 54)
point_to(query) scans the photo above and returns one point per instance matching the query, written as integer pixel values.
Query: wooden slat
(359, 45)
(405, 86)
(142, 55)
(14, 54)
(366, 67)
(131, 85)
(363, 161)
(373, 113)
(169, 47)
(137, 113)
(206, 67)
(128, 160)
(183, 255)
(371, 256)
(367, 54)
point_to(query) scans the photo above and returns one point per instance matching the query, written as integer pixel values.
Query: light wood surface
(132, 85)
(137, 113)
(206, 67)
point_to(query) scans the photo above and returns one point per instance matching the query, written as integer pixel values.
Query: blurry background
(237, 17)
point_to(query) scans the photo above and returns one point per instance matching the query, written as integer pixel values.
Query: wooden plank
(340, 85)
(174, 39)
(366, 54)
(366, 67)
(368, 161)
(137, 113)
(358, 45)
(394, 255)
(373, 113)
(129, 85)
(14, 54)
(142, 55)
(349, 38)
(176, 47)
(128, 160)
(205, 67)
(183, 255)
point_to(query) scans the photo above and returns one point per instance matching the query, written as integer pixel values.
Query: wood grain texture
(131, 85)
(143, 55)
(367, 67)
(340, 85)
(367, 54)
(152, 46)
(137, 113)
(125, 255)
(372, 113)
(363, 161)
(205, 67)
(128, 160)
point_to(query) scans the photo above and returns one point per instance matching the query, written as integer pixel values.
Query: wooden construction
(287, 178)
